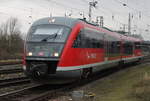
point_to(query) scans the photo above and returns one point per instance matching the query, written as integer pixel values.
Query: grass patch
(141, 90)
(122, 85)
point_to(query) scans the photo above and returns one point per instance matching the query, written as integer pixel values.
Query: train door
(78, 47)
(106, 48)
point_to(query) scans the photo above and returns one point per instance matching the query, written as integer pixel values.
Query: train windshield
(48, 33)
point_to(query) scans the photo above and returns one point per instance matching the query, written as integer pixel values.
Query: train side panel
(79, 57)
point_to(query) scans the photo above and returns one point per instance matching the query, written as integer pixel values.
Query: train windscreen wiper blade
(50, 37)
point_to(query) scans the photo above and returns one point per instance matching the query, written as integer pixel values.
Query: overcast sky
(113, 11)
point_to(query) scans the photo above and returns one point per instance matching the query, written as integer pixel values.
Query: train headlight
(24, 67)
(30, 54)
(56, 54)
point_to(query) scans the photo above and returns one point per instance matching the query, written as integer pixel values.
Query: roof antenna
(50, 15)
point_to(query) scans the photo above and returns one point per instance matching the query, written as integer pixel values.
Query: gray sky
(23, 9)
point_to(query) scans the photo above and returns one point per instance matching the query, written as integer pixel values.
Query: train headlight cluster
(30, 54)
(56, 54)
(24, 67)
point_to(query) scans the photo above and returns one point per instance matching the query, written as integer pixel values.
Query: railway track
(10, 96)
(10, 62)
(14, 81)
(146, 59)
(36, 93)
(45, 92)
(11, 71)
(10, 65)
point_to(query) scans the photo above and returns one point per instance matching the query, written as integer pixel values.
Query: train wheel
(39, 71)
(86, 73)
(121, 64)
(140, 60)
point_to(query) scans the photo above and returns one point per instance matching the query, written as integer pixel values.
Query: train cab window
(48, 33)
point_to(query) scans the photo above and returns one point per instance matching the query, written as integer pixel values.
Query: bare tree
(10, 39)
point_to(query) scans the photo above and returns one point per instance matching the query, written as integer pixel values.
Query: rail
(14, 81)
(35, 93)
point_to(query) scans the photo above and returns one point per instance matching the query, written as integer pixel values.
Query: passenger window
(89, 38)
(128, 48)
(77, 42)
(137, 45)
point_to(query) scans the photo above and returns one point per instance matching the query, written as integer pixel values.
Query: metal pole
(101, 21)
(129, 25)
(91, 4)
(124, 27)
(90, 11)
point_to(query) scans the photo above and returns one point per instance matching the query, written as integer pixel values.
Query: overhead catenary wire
(74, 9)
(133, 9)
(63, 5)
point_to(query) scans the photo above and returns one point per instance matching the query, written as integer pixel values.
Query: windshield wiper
(50, 37)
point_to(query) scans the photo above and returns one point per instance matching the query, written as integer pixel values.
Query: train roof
(119, 36)
(70, 22)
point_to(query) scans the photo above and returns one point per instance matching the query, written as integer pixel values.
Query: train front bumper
(57, 78)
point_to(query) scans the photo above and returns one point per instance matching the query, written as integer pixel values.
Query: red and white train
(60, 49)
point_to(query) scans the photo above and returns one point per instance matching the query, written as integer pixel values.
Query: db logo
(91, 55)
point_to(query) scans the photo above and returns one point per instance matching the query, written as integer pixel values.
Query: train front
(44, 45)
